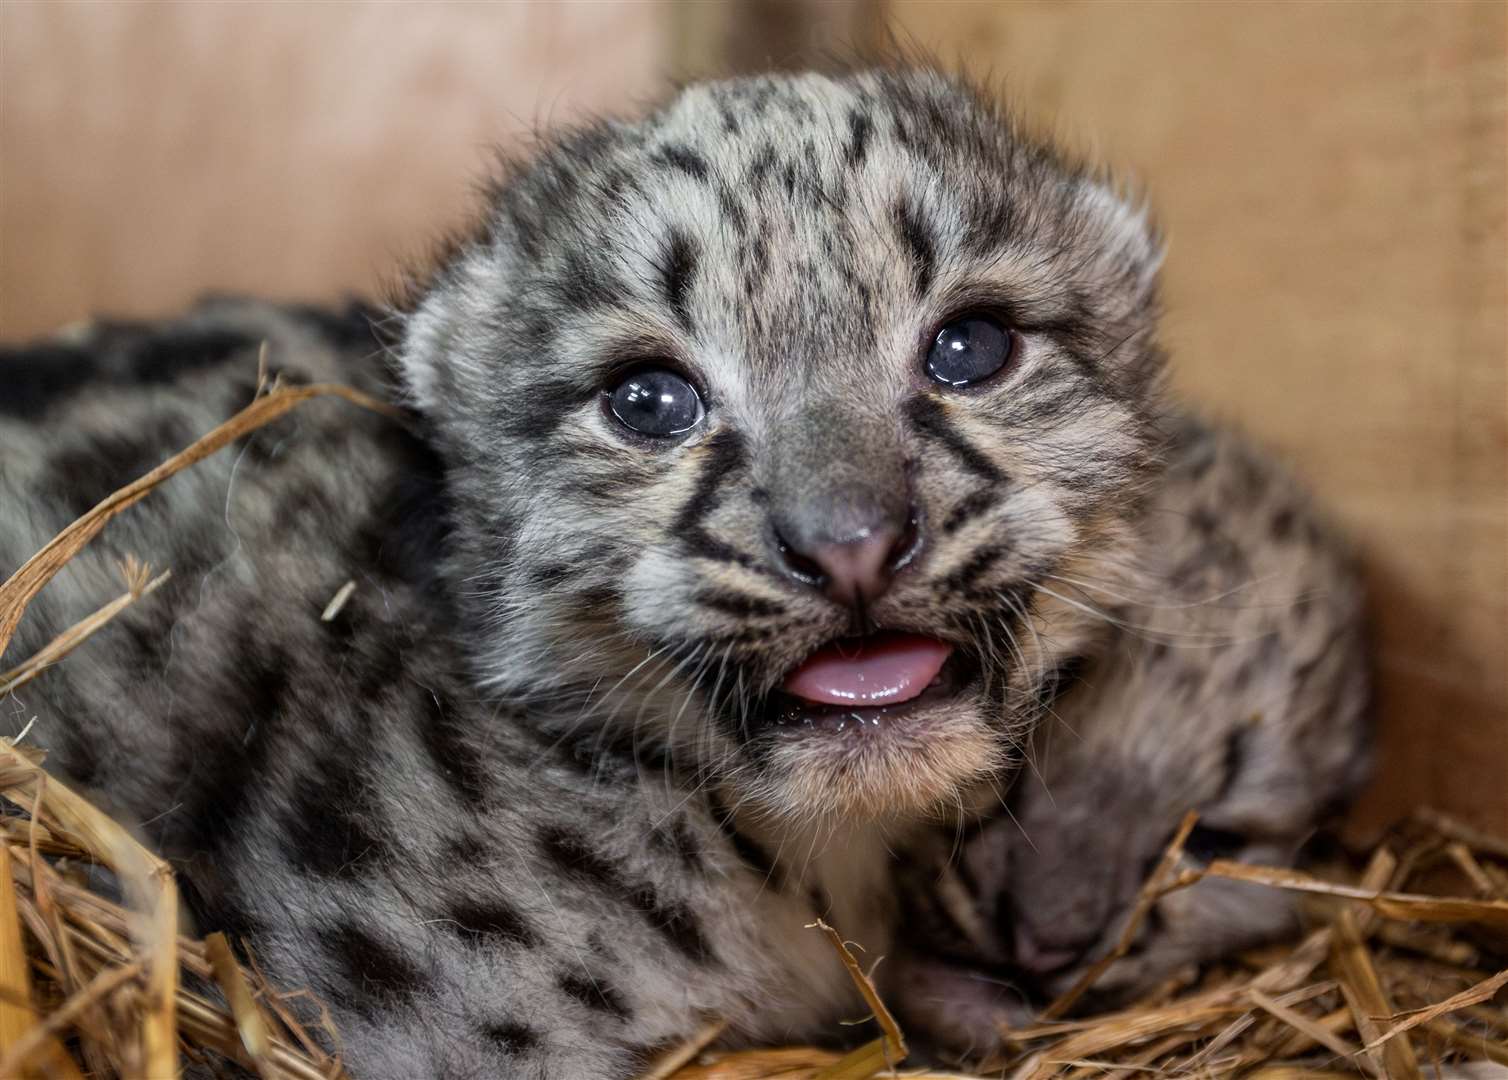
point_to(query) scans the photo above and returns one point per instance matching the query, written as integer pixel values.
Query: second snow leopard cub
(740, 441)
(1234, 683)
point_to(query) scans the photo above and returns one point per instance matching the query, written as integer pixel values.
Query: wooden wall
(151, 151)
(1331, 177)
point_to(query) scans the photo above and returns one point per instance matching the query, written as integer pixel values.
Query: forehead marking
(918, 242)
(676, 274)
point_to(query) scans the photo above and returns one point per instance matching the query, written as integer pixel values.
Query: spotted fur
(515, 810)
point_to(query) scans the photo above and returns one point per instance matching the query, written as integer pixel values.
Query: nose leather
(839, 501)
(858, 572)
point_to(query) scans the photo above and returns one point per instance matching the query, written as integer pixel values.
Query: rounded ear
(422, 355)
(1131, 246)
(446, 328)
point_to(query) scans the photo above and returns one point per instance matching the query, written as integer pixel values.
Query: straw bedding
(1401, 972)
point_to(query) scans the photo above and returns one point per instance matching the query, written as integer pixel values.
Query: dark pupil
(656, 403)
(968, 350)
(1204, 845)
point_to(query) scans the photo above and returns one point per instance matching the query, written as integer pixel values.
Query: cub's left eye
(969, 350)
(657, 403)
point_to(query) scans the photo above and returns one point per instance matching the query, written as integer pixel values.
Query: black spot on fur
(575, 857)
(595, 993)
(95, 466)
(762, 165)
(684, 159)
(468, 849)
(489, 921)
(676, 922)
(929, 416)
(328, 823)
(989, 221)
(509, 1036)
(38, 377)
(445, 736)
(370, 967)
(550, 574)
(678, 840)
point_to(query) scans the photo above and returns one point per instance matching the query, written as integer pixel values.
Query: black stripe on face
(971, 507)
(724, 456)
(914, 234)
(929, 417)
(740, 605)
(678, 270)
(971, 571)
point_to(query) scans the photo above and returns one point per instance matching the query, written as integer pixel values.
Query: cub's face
(768, 415)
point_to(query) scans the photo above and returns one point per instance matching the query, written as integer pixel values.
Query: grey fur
(514, 810)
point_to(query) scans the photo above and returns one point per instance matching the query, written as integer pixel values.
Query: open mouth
(867, 681)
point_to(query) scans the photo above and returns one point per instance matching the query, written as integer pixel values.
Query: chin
(903, 762)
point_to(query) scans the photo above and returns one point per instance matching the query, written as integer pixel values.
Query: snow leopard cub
(740, 438)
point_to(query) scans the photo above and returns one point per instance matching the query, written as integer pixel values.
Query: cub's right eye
(657, 403)
(970, 349)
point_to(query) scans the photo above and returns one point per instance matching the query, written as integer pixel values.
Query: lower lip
(794, 715)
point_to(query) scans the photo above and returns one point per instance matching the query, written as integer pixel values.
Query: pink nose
(859, 571)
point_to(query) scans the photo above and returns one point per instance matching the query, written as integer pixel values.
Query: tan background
(149, 151)
(1331, 176)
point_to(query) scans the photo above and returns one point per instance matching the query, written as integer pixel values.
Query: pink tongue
(881, 670)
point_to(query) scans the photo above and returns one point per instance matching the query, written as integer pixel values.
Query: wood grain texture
(152, 152)
(1331, 178)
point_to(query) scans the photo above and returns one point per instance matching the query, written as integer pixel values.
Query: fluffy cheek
(919, 767)
(657, 594)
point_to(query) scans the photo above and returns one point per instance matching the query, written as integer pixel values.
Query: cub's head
(767, 415)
